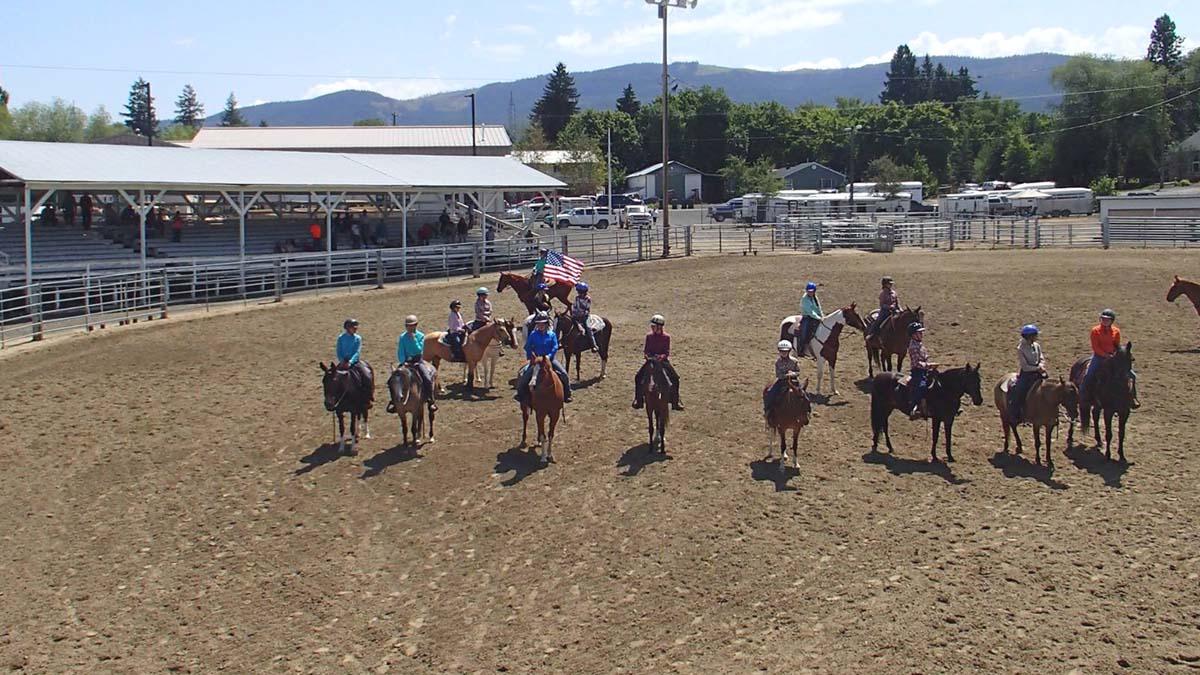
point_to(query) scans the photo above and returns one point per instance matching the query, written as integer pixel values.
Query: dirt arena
(168, 503)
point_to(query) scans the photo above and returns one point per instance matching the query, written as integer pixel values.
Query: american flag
(562, 267)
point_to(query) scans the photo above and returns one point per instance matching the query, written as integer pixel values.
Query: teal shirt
(348, 348)
(539, 266)
(811, 307)
(410, 346)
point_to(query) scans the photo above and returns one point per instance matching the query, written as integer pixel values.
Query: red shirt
(658, 344)
(314, 230)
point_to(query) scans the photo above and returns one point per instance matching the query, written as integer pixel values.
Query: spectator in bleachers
(425, 234)
(356, 232)
(109, 212)
(444, 224)
(364, 228)
(177, 227)
(49, 214)
(154, 222)
(69, 206)
(314, 231)
(337, 231)
(381, 233)
(85, 207)
(464, 226)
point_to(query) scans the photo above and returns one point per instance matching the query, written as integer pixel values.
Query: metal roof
(544, 157)
(47, 165)
(653, 168)
(787, 171)
(335, 138)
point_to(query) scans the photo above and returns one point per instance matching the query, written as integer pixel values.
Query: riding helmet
(349, 322)
(1030, 329)
(1108, 314)
(658, 320)
(581, 287)
(410, 320)
(541, 317)
(455, 303)
(542, 287)
(887, 280)
(916, 327)
(784, 345)
(810, 286)
(482, 290)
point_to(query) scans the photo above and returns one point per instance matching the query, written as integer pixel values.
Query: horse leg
(542, 440)
(341, 435)
(353, 435)
(1004, 425)
(662, 435)
(795, 452)
(650, 427)
(820, 372)
(1108, 419)
(1122, 418)
(366, 416)
(832, 381)
(1016, 430)
(550, 438)
(936, 428)
(782, 449)
(949, 439)
(1096, 426)
(1049, 457)
(870, 364)
(524, 426)
(404, 428)
(1037, 445)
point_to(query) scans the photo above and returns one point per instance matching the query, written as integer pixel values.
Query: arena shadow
(523, 462)
(1093, 461)
(1193, 350)
(323, 455)
(390, 457)
(824, 399)
(458, 392)
(579, 385)
(1017, 466)
(768, 470)
(639, 457)
(900, 466)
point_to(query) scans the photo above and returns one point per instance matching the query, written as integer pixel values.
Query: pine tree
(189, 111)
(263, 123)
(1166, 47)
(629, 103)
(3, 97)
(924, 88)
(560, 100)
(966, 85)
(901, 78)
(231, 116)
(5, 117)
(139, 110)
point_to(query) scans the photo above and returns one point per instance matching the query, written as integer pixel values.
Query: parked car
(619, 201)
(637, 215)
(730, 209)
(587, 216)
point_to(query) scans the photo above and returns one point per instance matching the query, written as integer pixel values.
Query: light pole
(664, 192)
(149, 118)
(473, 149)
(850, 171)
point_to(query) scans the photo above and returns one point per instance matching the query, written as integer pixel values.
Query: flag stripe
(561, 267)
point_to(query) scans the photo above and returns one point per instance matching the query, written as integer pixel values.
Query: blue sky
(405, 48)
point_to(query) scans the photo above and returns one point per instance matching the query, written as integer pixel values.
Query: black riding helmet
(915, 327)
(349, 322)
(455, 303)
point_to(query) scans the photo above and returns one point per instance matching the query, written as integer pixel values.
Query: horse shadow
(1093, 461)
(768, 470)
(523, 462)
(639, 457)
(824, 399)
(1017, 466)
(390, 457)
(901, 466)
(323, 455)
(459, 392)
(1193, 350)
(578, 385)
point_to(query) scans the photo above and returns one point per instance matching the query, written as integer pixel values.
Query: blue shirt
(811, 307)
(541, 344)
(348, 348)
(410, 346)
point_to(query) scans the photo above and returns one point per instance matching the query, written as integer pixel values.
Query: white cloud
(585, 6)
(519, 29)
(186, 41)
(259, 101)
(399, 89)
(575, 41)
(1120, 41)
(503, 51)
(450, 21)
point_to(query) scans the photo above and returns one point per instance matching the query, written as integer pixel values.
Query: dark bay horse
(656, 392)
(889, 391)
(890, 339)
(1042, 402)
(574, 342)
(1111, 391)
(1184, 287)
(344, 394)
(407, 400)
(560, 291)
(792, 412)
(546, 402)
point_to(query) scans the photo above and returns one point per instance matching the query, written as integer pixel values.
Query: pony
(793, 411)
(404, 389)
(1041, 410)
(825, 342)
(492, 354)
(889, 391)
(1112, 392)
(1189, 288)
(560, 290)
(546, 402)
(656, 393)
(574, 342)
(343, 394)
(891, 338)
(474, 348)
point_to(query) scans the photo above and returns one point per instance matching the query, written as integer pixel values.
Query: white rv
(1067, 201)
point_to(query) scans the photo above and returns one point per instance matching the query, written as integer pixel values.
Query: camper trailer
(915, 189)
(1067, 201)
(964, 205)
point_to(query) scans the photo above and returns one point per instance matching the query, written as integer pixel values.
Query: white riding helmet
(784, 345)
(658, 320)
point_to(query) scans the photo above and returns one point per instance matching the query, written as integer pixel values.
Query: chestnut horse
(1041, 410)
(890, 339)
(560, 290)
(1189, 288)
(825, 340)
(656, 392)
(406, 399)
(475, 348)
(546, 401)
(574, 342)
(793, 411)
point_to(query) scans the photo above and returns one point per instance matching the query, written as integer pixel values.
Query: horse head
(800, 390)
(507, 338)
(335, 384)
(852, 318)
(1176, 289)
(505, 282)
(1070, 397)
(972, 383)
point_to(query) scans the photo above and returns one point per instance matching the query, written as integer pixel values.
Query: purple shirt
(581, 307)
(917, 356)
(658, 344)
(888, 299)
(455, 323)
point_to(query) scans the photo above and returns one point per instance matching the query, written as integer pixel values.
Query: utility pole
(611, 209)
(149, 119)
(850, 172)
(474, 150)
(393, 119)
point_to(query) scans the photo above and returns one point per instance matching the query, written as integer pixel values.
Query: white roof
(654, 168)
(554, 156)
(1030, 194)
(44, 165)
(335, 138)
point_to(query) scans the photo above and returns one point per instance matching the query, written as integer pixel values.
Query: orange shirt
(1105, 341)
(315, 231)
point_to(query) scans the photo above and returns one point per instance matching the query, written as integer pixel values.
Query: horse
(889, 391)
(793, 411)
(404, 388)
(574, 342)
(1112, 392)
(474, 348)
(891, 338)
(825, 341)
(546, 401)
(344, 395)
(1041, 410)
(656, 393)
(492, 354)
(560, 290)
(1189, 288)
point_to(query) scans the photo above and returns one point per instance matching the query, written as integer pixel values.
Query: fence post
(819, 244)
(476, 263)
(749, 240)
(445, 263)
(1070, 234)
(166, 292)
(774, 233)
(87, 298)
(378, 268)
(1037, 234)
(1104, 233)
(687, 241)
(720, 239)
(278, 280)
(641, 245)
(951, 235)
(565, 249)
(35, 306)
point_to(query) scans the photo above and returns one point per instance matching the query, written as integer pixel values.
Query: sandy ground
(168, 500)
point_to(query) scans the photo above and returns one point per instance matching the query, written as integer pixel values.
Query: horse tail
(880, 405)
(405, 386)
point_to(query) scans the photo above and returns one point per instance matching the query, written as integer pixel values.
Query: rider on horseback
(810, 317)
(456, 331)
(410, 351)
(1032, 368)
(786, 363)
(541, 342)
(921, 373)
(581, 311)
(483, 310)
(348, 350)
(889, 303)
(538, 277)
(1106, 340)
(658, 348)
(541, 298)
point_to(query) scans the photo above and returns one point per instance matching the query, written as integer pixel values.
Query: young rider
(411, 350)
(541, 298)
(657, 348)
(889, 303)
(542, 342)
(810, 317)
(786, 363)
(539, 269)
(581, 311)
(456, 330)
(348, 351)
(921, 369)
(483, 310)
(1032, 365)
(1106, 340)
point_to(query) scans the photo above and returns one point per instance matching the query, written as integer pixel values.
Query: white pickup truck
(637, 215)
(587, 216)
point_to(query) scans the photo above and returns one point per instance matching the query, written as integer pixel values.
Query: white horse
(486, 368)
(830, 326)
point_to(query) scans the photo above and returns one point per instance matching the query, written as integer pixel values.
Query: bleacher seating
(58, 244)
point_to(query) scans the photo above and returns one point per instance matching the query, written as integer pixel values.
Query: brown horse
(1189, 288)
(1112, 391)
(890, 339)
(474, 348)
(560, 291)
(1041, 410)
(344, 394)
(574, 342)
(889, 391)
(546, 400)
(404, 387)
(793, 411)
(656, 392)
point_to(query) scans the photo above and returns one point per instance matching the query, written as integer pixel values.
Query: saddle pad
(595, 322)
(1008, 383)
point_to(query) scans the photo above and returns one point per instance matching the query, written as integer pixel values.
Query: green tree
(901, 85)
(189, 111)
(629, 103)
(179, 132)
(139, 110)
(583, 171)
(1104, 186)
(100, 125)
(1166, 46)
(1018, 159)
(594, 124)
(5, 116)
(231, 116)
(559, 101)
(59, 122)
(887, 175)
(742, 177)
(532, 139)
(370, 122)
(705, 128)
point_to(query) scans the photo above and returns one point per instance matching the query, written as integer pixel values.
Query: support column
(142, 227)
(404, 204)
(28, 238)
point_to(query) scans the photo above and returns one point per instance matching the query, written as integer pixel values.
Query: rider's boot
(675, 404)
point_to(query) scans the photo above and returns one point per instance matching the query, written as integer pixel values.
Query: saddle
(456, 351)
